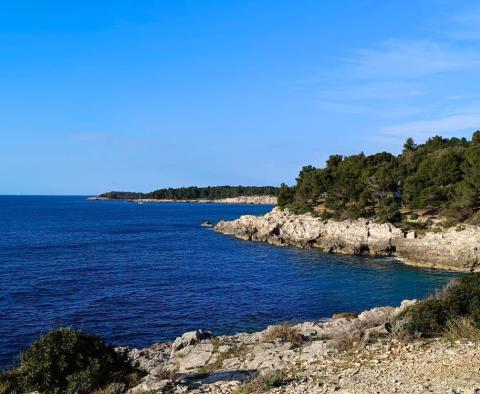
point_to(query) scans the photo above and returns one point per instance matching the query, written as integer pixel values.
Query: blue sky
(136, 95)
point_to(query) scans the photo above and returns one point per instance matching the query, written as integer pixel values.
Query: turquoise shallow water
(138, 274)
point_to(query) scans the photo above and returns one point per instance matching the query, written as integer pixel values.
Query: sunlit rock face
(451, 249)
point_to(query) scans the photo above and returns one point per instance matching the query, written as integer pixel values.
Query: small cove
(139, 274)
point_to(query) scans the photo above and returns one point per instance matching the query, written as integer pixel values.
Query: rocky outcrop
(197, 358)
(345, 354)
(261, 200)
(451, 249)
(190, 338)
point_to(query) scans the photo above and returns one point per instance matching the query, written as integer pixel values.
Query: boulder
(190, 338)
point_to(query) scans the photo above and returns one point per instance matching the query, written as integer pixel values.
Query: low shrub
(345, 315)
(474, 220)
(407, 225)
(263, 383)
(67, 361)
(400, 332)
(431, 317)
(284, 333)
(347, 340)
(462, 328)
(427, 317)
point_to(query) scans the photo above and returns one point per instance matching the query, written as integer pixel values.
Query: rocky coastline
(456, 249)
(260, 200)
(350, 353)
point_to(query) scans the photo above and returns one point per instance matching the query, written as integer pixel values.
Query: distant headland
(210, 194)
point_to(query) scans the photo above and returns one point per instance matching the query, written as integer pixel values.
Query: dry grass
(9, 382)
(6, 388)
(114, 388)
(235, 351)
(399, 331)
(284, 333)
(362, 332)
(132, 379)
(345, 315)
(462, 328)
(263, 383)
(128, 381)
(347, 340)
(441, 293)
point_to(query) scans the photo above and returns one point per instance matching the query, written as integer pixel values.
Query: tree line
(195, 193)
(441, 175)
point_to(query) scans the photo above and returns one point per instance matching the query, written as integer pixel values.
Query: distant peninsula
(210, 194)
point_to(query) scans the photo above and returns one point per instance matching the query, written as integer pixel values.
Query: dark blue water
(138, 274)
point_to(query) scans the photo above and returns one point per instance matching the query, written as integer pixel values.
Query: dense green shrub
(459, 300)
(285, 195)
(442, 175)
(388, 211)
(67, 361)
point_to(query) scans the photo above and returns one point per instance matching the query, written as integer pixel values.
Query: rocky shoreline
(260, 200)
(350, 353)
(453, 249)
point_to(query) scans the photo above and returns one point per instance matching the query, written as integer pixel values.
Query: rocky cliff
(267, 200)
(350, 353)
(455, 248)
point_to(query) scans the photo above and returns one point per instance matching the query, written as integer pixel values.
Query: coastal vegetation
(454, 311)
(284, 333)
(263, 383)
(68, 361)
(196, 193)
(441, 176)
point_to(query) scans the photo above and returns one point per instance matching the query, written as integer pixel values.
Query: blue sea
(140, 274)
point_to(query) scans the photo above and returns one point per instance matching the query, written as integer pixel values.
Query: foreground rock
(450, 249)
(347, 354)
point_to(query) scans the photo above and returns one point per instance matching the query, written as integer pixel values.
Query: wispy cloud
(89, 137)
(466, 120)
(410, 59)
(465, 25)
(461, 97)
(374, 90)
(386, 80)
(414, 82)
(386, 111)
(364, 98)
